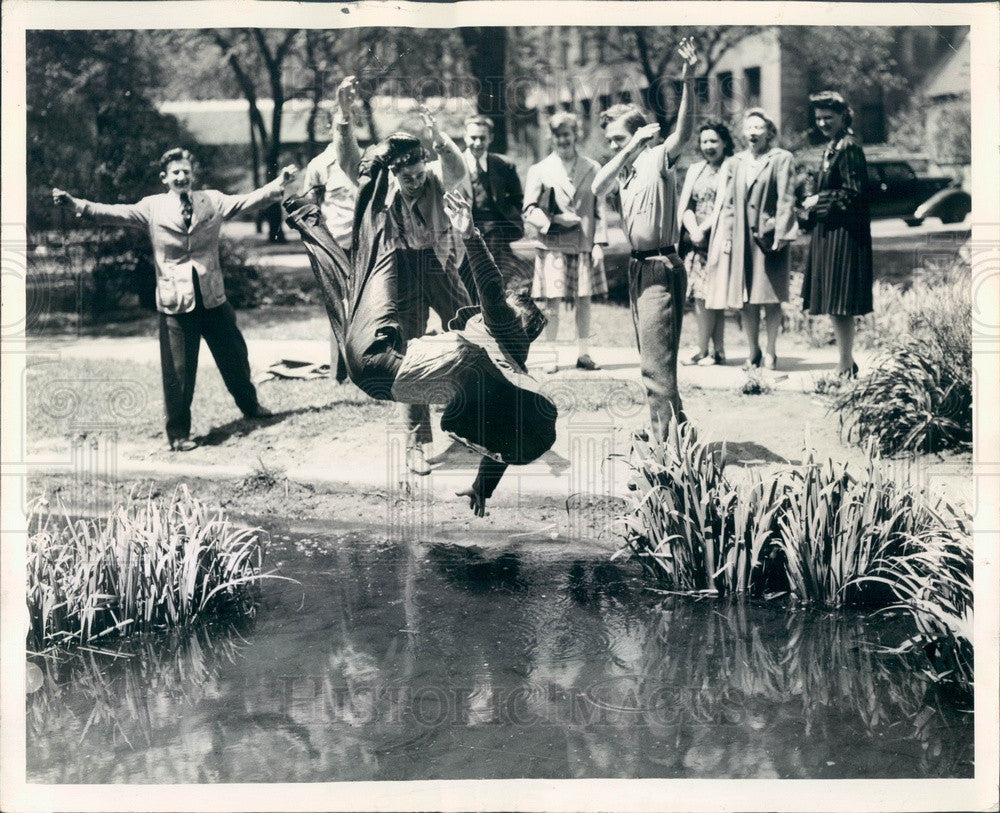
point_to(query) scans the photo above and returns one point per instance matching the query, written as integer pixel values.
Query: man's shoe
(259, 414)
(585, 362)
(183, 445)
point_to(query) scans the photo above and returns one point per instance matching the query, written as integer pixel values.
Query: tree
(858, 62)
(487, 55)
(270, 49)
(656, 53)
(91, 126)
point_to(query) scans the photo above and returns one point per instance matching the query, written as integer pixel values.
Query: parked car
(895, 190)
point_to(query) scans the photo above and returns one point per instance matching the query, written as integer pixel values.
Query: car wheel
(954, 213)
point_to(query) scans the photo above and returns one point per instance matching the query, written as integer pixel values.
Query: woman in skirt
(838, 277)
(559, 204)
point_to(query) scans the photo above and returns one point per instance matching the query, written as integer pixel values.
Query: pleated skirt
(838, 275)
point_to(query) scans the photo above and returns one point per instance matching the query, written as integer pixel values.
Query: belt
(654, 252)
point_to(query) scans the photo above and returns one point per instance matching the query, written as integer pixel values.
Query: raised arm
(116, 214)
(606, 179)
(453, 171)
(344, 142)
(682, 130)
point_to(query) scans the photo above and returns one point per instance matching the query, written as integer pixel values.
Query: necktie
(187, 209)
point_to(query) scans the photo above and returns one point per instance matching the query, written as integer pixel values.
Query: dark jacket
(504, 187)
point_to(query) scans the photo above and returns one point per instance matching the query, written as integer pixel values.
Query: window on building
(751, 81)
(701, 92)
(725, 79)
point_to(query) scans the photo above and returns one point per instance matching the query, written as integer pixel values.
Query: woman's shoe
(550, 369)
(183, 445)
(585, 362)
(754, 361)
(852, 373)
(697, 358)
(770, 362)
(720, 357)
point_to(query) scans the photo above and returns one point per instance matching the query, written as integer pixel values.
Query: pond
(516, 658)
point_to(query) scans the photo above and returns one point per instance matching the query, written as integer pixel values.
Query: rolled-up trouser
(424, 284)
(657, 287)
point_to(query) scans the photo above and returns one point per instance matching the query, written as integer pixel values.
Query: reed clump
(819, 532)
(151, 564)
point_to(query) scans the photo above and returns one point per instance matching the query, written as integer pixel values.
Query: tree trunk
(487, 52)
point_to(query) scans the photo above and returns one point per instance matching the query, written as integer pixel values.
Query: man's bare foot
(416, 459)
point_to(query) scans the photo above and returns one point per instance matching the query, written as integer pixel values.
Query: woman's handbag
(548, 204)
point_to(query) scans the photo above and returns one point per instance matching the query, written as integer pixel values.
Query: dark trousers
(422, 284)
(180, 340)
(656, 294)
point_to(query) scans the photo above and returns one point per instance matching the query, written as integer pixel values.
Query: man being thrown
(184, 229)
(643, 177)
(476, 369)
(430, 256)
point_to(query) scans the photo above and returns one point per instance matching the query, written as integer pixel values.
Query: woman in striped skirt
(838, 277)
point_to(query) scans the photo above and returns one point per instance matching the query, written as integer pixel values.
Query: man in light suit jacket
(184, 229)
(497, 199)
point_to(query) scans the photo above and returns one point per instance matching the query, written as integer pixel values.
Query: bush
(918, 395)
(150, 565)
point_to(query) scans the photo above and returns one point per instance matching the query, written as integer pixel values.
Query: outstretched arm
(232, 205)
(682, 131)
(118, 214)
(482, 488)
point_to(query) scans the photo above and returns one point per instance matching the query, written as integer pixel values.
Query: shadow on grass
(242, 427)
(746, 453)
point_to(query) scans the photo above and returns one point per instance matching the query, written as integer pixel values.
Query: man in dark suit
(183, 226)
(496, 196)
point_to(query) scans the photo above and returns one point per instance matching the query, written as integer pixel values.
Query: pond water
(396, 661)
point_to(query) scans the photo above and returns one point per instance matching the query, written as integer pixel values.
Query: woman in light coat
(559, 204)
(762, 206)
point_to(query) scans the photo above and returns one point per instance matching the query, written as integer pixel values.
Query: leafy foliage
(91, 127)
(151, 564)
(918, 396)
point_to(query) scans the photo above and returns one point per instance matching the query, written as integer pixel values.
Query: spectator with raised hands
(183, 225)
(642, 174)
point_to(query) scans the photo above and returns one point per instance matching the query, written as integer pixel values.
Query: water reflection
(416, 661)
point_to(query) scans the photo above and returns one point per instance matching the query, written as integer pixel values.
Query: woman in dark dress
(838, 278)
